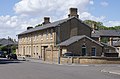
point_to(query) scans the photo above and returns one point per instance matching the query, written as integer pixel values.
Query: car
(70, 54)
(2, 54)
(12, 56)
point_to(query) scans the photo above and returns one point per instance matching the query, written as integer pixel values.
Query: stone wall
(90, 60)
(51, 55)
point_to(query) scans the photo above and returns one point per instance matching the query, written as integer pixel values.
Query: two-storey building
(66, 35)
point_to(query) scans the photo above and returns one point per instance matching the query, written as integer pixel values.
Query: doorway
(43, 52)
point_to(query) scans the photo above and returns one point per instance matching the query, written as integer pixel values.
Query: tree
(38, 25)
(97, 25)
(100, 26)
(9, 48)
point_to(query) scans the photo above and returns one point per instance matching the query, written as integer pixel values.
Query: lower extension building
(51, 40)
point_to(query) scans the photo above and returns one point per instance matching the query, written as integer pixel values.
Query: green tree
(38, 25)
(9, 48)
(98, 25)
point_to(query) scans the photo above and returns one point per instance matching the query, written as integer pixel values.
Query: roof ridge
(53, 24)
(76, 38)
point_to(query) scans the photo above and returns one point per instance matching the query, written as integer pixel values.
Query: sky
(17, 15)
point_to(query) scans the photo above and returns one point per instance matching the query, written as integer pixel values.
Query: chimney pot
(46, 20)
(73, 12)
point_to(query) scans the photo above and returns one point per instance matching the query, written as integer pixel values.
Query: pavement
(33, 60)
(30, 59)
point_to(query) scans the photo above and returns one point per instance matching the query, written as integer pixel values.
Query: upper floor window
(51, 34)
(47, 34)
(29, 38)
(24, 39)
(37, 37)
(41, 36)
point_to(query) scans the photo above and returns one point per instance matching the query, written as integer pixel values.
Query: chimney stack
(94, 26)
(73, 12)
(46, 20)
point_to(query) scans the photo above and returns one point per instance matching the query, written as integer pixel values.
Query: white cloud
(48, 7)
(112, 23)
(12, 25)
(92, 2)
(89, 16)
(86, 16)
(104, 4)
(31, 12)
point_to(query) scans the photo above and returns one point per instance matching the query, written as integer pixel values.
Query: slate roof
(50, 25)
(5, 42)
(117, 44)
(76, 38)
(105, 44)
(107, 33)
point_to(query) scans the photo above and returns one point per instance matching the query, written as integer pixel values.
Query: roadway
(35, 69)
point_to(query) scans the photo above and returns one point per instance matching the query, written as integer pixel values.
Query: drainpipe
(59, 43)
(59, 55)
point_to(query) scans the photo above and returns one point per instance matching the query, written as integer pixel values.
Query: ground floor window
(84, 52)
(93, 51)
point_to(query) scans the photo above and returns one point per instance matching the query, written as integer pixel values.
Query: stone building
(82, 45)
(117, 45)
(110, 35)
(51, 40)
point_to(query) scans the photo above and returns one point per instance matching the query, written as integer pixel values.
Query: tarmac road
(39, 70)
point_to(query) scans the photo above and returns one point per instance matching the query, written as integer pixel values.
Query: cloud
(92, 2)
(48, 7)
(89, 16)
(12, 25)
(31, 13)
(112, 23)
(86, 16)
(104, 4)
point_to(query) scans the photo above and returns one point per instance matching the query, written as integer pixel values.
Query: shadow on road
(7, 61)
